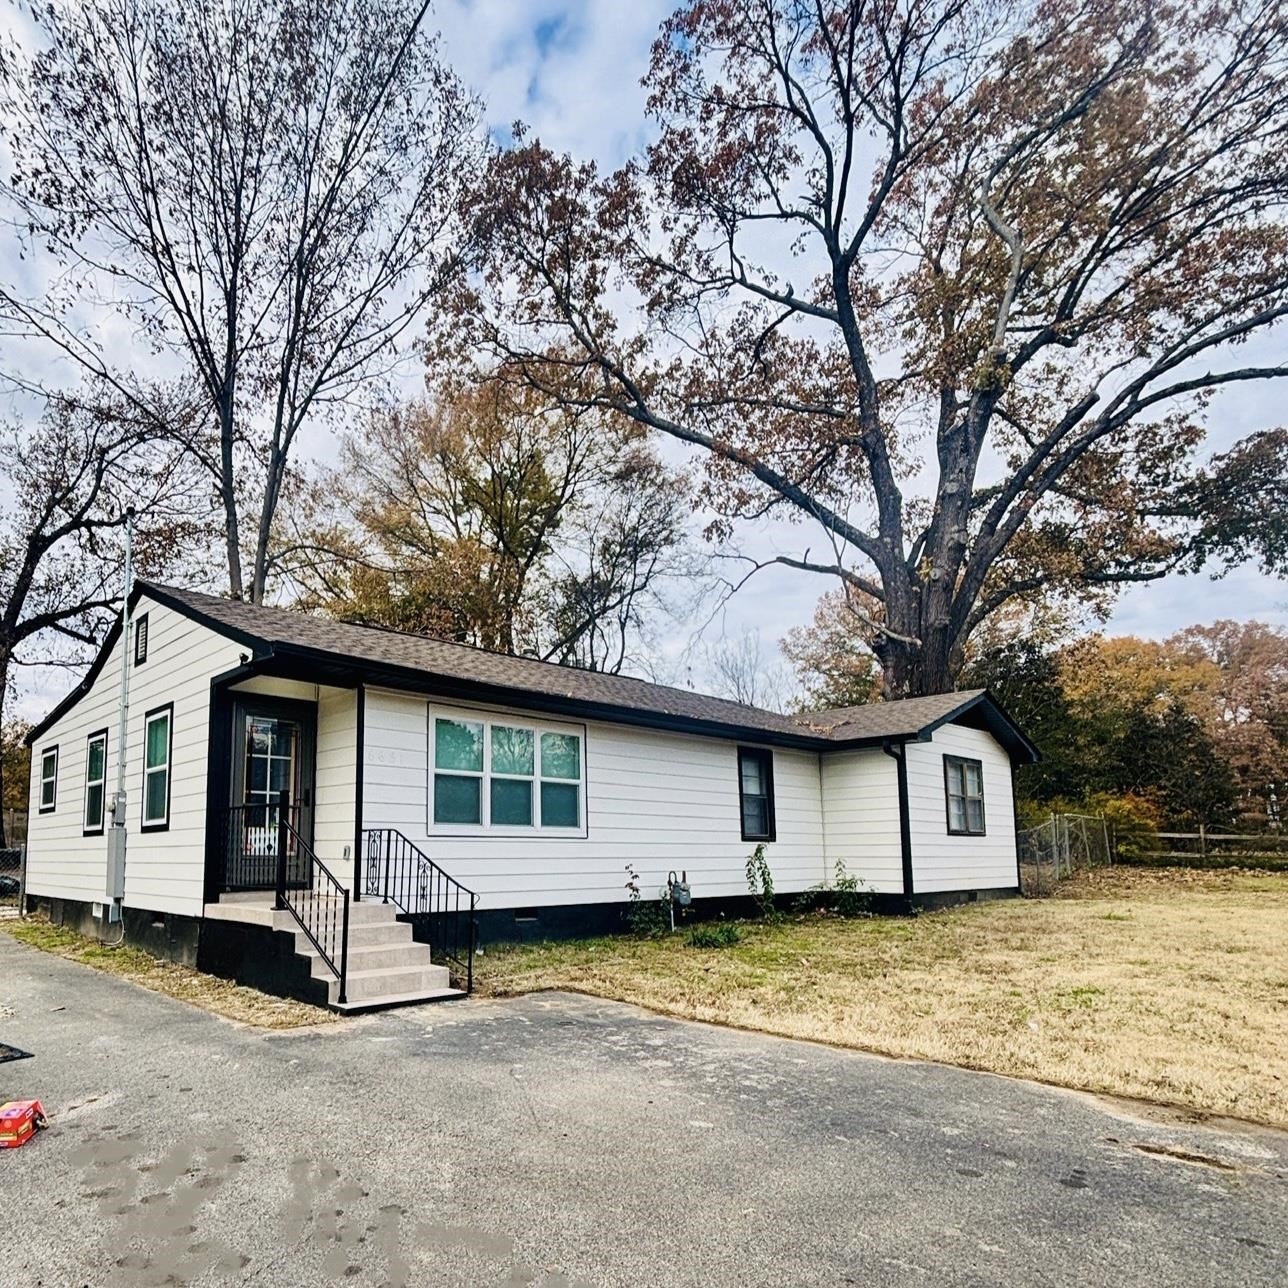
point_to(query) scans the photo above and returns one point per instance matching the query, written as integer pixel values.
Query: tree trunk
(228, 494)
(4, 690)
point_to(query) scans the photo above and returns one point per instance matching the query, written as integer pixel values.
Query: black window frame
(141, 634)
(86, 828)
(951, 762)
(41, 807)
(765, 757)
(166, 709)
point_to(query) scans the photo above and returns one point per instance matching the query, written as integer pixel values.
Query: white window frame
(89, 826)
(146, 823)
(51, 779)
(507, 720)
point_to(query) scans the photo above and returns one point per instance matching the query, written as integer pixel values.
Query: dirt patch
(220, 996)
(1158, 986)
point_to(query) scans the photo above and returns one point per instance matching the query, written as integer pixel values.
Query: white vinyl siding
(659, 801)
(164, 869)
(943, 861)
(861, 814)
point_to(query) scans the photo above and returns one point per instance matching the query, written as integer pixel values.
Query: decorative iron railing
(320, 906)
(250, 845)
(396, 871)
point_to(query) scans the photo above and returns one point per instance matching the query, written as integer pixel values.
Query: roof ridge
(182, 591)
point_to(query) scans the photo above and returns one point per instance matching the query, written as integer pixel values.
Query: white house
(266, 750)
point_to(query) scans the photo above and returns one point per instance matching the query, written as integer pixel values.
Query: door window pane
(560, 804)
(512, 751)
(560, 755)
(456, 799)
(512, 802)
(458, 744)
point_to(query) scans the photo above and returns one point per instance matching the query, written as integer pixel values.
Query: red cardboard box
(18, 1122)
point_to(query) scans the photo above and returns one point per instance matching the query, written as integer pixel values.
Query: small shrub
(645, 918)
(760, 881)
(1133, 823)
(849, 897)
(719, 935)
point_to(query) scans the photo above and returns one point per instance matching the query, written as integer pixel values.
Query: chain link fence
(1056, 849)
(12, 867)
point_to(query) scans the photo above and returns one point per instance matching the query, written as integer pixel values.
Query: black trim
(993, 718)
(950, 760)
(41, 807)
(359, 766)
(141, 640)
(102, 822)
(218, 779)
(144, 826)
(766, 759)
(905, 827)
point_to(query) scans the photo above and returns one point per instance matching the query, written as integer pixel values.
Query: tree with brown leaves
(489, 517)
(952, 281)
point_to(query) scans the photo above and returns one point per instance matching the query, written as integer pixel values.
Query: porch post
(358, 857)
(283, 804)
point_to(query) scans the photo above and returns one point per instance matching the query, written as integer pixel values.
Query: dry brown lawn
(1164, 984)
(220, 996)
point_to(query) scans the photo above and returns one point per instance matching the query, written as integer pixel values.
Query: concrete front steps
(386, 966)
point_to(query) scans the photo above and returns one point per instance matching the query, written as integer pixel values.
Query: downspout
(116, 835)
(899, 757)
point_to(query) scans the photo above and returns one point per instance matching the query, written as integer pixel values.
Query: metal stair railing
(397, 871)
(320, 907)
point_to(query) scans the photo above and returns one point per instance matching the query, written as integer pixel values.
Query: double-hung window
(49, 780)
(504, 774)
(756, 793)
(95, 782)
(964, 790)
(157, 743)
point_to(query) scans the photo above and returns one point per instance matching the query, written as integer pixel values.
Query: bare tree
(265, 188)
(66, 484)
(743, 674)
(951, 282)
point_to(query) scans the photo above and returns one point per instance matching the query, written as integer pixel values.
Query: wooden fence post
(1202, 841)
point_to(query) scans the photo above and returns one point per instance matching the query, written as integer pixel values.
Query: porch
(283, 829)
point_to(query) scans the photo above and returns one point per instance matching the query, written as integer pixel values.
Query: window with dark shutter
(756, 793)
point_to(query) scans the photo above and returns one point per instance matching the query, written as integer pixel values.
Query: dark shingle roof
(278, 636)
(906, 717)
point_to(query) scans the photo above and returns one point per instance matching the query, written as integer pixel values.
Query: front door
(272, 752)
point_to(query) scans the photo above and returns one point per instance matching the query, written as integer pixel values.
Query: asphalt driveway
(557, 1140)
